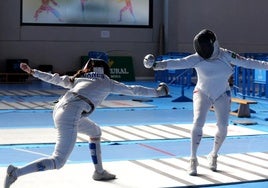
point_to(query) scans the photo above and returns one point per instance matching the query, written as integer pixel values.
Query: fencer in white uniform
(214, 66)
(86, 90)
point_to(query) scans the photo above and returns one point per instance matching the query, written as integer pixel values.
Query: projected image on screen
(87, 12)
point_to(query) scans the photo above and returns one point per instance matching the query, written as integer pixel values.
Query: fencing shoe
(11, 176)
(212, 162)
(193, 167)
(104, 176)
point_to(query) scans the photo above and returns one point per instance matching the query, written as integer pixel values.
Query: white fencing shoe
(193, 167)
(212, 162)
(104, 176)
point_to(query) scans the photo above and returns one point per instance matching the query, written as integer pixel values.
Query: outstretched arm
(138, 90)
(241, 61)
(171, 64)
(56, 79)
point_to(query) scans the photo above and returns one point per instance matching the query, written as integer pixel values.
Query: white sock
(36, 166)
(196, 133)
(219, 139)
(95, 150)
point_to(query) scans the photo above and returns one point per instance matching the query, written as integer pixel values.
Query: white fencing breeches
(68, 122)
(201, 106)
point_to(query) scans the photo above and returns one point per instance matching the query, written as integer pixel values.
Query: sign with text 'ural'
(121, 68)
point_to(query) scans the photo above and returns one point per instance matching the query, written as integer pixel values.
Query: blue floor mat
(165, 112)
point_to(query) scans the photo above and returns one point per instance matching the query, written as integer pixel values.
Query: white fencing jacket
(95, 87)
(213, 73)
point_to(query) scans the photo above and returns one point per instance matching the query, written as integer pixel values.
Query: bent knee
(97, 132)
(59, 162)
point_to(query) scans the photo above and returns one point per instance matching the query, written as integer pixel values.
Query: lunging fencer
(213, 66)
(86, 90)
